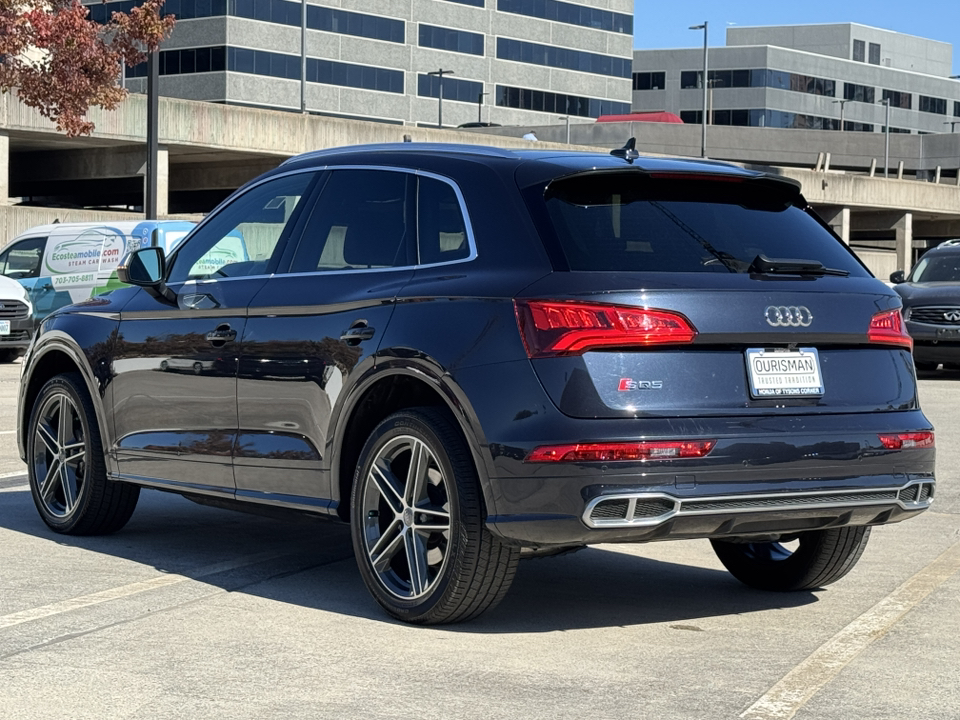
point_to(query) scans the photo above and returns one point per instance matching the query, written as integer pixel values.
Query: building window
(558, 57)
(859, 93)
(956, 108)
(780, 79)
(857, 126)
(526, 99)
(874, 54)
(898, 99)
(185, 62)
(859, 50)
(453, 88)
(453, 40)
(328, 72)
(475, 3)
(261, 62)
(692, 117)
(349, 23)
(902, 131)
(649, 81)
(690, 79)
(571, 14)
(937, 106)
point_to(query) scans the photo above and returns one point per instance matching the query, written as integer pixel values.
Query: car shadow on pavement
(314, 568)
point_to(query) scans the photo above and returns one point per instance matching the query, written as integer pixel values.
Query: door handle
(357, 334)
(222, 335)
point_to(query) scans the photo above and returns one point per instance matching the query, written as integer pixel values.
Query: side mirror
(897, 277)
(144, 267)
(147, 268)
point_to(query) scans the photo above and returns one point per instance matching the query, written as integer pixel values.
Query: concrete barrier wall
(880, 262)
(16, 220)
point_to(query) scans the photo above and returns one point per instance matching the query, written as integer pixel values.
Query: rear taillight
(619, 451)
(905, 441)
(550, 328)
(887, 328)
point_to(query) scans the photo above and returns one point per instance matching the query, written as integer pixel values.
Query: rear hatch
(680, 294)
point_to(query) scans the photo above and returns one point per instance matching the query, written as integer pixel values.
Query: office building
(512, 61)
(806, 76)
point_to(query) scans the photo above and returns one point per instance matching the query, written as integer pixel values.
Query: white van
(65, 263)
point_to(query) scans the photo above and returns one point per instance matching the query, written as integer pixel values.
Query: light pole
(953, 124)
(842, 103)
(567, 118)
(303, 56)
(703, 124)
(886, 143)
(153, 146)
(480, 106)
(440, 73)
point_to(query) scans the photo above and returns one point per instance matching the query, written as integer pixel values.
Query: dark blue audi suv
(473, 355)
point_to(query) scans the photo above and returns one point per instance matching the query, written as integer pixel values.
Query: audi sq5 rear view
(474, 355)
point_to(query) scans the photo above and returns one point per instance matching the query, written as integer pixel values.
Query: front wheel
(68, 478)
(417, 523)
(821, 557)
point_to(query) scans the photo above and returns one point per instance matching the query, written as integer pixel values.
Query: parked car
(16, 320)
(64, 263)
(931, 306)
(522, 353)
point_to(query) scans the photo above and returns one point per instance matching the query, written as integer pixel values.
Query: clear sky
(663, 24)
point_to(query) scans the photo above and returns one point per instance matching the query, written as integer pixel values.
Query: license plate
(784, 373)
(4, 327)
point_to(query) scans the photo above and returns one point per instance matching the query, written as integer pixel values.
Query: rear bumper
(936, 352)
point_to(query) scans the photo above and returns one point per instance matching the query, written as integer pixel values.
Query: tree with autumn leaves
(61, 62)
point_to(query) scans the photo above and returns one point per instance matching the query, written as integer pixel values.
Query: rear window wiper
(790, 266)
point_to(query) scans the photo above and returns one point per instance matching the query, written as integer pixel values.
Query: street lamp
(953, 124)
(440, 73)
(303, 56)
(886, 144)
(153, 126)
(703, 124)
(842, 103)
(567, 118)
(480, 106)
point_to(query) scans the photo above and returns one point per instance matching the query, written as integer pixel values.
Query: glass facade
(453, 88)
(956, 108)
(898, 99)
(762, 77)
(448, 39)
(937, 106)
(543, 101)
(557, 57)
(329, 72)
(859, 93)
(649, 81)
(763, 118)
(569, 13)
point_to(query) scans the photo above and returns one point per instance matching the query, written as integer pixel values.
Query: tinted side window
(242, 238)
(362, 220)
(615, 222)
(440, 225)
(23, 259)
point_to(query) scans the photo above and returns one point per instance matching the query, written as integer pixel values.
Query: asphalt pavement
(192, 612)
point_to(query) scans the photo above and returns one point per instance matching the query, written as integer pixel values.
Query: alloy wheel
(406, 517)
(60, 456)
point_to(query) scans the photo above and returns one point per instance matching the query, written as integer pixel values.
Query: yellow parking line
(796, 688)
(123, 591)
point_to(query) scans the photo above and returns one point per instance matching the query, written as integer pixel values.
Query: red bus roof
(641, 117)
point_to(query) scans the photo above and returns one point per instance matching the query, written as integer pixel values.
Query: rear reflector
(905, 441)
(613, 452)
(551, 328)
(887, 328)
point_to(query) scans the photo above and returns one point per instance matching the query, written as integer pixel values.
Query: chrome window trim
(468, 225)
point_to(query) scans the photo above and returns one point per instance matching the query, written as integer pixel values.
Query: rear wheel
(68, 478)
(418, 523)
(821, 557)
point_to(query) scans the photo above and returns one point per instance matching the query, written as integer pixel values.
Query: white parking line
(798, 686)
(65, 606)
(16, 488)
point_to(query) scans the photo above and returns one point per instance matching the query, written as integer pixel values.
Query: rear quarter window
(630, 222)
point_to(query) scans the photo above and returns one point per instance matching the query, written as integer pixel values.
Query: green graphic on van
(77, 260)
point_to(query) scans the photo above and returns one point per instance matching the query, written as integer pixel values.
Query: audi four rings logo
(792, 316)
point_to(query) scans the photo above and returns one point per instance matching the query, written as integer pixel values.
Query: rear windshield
(636, 223)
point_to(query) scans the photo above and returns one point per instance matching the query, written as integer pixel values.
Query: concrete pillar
(936, 176)
(873, 167)
(838, 218)
(4, 168)
(904, 234)
(163, 181)
(900, 170)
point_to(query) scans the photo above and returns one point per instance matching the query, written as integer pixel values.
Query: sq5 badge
(626, 385)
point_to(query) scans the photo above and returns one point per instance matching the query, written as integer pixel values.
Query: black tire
(823, 557)
(70, 488)
(9, 356)
(465, 570)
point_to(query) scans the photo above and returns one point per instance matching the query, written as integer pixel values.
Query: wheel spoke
(48, 439)
(416, 562)
(430, 520)
(387, 546)
(416, 473)
(64, 429)
(387, 485)
(74, 452)
(51, 481)
(69, 484)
